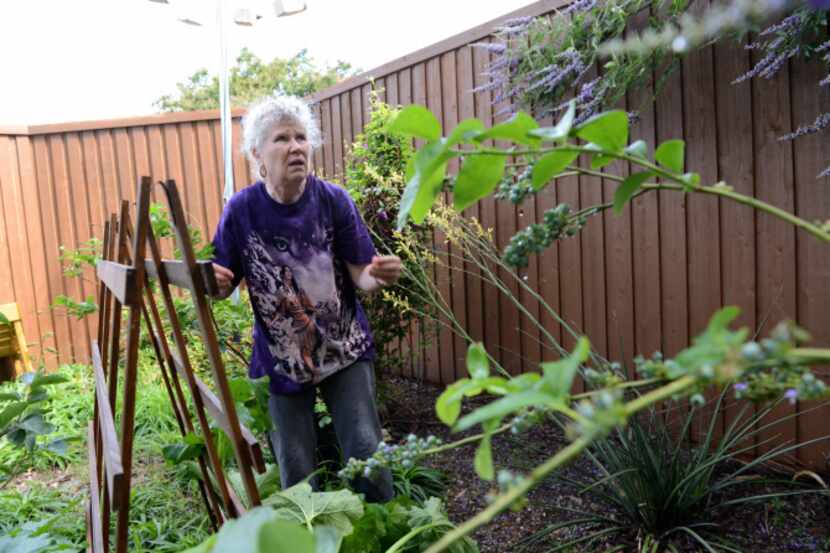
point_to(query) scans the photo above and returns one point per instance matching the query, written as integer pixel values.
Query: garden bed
(794, 523)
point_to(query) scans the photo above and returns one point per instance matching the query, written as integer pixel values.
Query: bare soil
(789, 524)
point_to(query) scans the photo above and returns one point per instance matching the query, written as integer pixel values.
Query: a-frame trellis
(125, 283)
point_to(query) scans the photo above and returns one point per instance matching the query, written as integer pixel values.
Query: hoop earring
(262, 171)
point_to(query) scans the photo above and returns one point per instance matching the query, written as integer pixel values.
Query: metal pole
(225, 110)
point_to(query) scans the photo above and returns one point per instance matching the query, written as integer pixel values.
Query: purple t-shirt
(309, 322)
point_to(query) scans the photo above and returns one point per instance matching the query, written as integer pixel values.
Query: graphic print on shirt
(295, 283)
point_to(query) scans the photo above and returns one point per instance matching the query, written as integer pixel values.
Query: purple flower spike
(791, 395)
(820, 4)
(741, 387)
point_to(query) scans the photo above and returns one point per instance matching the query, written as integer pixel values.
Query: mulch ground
(789, 524)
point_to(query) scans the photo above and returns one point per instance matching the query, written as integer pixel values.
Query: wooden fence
(644, 281)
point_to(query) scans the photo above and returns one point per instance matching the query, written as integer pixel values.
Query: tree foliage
(252, 78)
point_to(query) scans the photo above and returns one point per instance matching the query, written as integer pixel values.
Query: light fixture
(283, 8)
(246, 17)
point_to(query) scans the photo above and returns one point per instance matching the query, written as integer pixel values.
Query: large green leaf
(417, 121)
(25, 542)
(10, 412)
(425, 177)
(478, 177)
(559, 375)
(550, 165)
(188, 449)
(483, 462)
(515, 129)
(466, 131)
(302, 505)
(280, 536)
(608, 130)
(327, 539)
(562, 129)
(628, 188)
(448, 404)
(478, 364)
(670, 155)
(503, 407)
(36, 424)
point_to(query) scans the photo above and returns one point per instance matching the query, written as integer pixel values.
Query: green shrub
(375, 179)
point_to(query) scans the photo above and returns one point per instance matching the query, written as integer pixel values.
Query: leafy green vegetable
(300, 504)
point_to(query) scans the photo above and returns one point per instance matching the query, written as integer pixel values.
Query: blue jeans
(350, 397)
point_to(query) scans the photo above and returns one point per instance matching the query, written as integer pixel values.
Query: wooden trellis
(125, 283)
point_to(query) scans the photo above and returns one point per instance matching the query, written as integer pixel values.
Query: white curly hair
(267, 111)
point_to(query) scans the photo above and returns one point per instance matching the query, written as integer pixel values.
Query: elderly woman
(303, 249)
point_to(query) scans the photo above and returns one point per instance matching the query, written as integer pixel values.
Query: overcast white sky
(72, 60)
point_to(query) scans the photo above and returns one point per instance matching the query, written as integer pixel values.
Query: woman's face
(285, 154)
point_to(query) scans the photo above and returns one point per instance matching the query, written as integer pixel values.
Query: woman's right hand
(224, 278)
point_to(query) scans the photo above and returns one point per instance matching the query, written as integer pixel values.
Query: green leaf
(483, 461)
(608, 130)
(638, 149)
(670, 155)
(35, 424)
(599, 161)
(478, 364)
(327, 539)
(628, 188)
(503, 407)
(417, 121)
(41, 380)
(59, 446)
(448, 404)
(9, 396)
(478, 177)
(280, 536)
(515, 129)
(550, 165)
(192, 448)
(302, 505)
(10, 412)
(559, 376)
(562, 128)
(4, 320)
(722, 318)
(426, 175)
(466, 131)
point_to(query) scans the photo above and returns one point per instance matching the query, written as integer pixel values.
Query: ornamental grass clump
(652, 483)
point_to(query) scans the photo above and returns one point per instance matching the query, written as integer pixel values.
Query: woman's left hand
(386, 269)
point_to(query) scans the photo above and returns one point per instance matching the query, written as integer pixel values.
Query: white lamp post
(192, 12)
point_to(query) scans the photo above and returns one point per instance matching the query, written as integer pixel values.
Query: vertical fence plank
(328, 138)
(336, 138)
(79, 194)
(444, 340)
(510, 345)
(593, 261)
(29, 272)
(456, 297)
(487, 208)
(645, 224)
(735, 162)
(211, 185)
(811, 156)
(471, 279)
(774, 184)
(51, 241)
